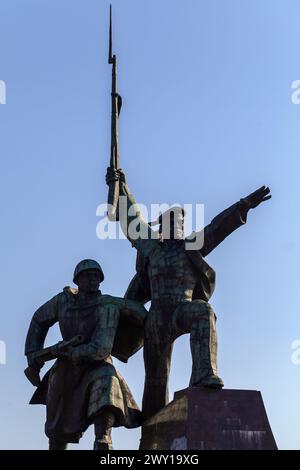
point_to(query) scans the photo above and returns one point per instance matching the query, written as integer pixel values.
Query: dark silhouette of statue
(83, 387)
(179, 283)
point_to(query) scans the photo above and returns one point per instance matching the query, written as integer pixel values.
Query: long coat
(76, 392)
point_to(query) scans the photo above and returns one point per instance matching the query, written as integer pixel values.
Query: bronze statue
(179, 283)
(83, 387)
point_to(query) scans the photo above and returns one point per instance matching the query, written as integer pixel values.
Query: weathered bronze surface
(83, 387)
(179, 283)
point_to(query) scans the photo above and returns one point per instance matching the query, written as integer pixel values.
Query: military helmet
(87, 264)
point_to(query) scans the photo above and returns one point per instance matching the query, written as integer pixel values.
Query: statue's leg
(198, 319)
(57, 444)
(157, 358)
(103, 425)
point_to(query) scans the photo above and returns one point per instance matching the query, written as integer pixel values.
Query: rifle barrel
(113, 191)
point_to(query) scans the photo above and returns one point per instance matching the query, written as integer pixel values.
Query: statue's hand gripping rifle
(116, 103)
(48, 354)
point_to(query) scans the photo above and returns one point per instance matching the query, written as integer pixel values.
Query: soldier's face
(172, 227)
(88, 281)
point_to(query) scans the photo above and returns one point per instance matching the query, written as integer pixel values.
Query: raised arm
(230, 219)
(138, 232)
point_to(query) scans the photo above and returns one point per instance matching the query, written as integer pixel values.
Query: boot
(57, 444)
(212, 381)
(103, 425)
(103, 444)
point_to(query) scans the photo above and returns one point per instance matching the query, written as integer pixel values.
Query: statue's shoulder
(69, 291)
(68, 295)
(110, 299)
(61, 296)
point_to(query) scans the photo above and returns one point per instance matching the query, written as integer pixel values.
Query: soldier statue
(83, 387)
(179, 283)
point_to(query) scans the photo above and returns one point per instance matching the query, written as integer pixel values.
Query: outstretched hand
(257, 197)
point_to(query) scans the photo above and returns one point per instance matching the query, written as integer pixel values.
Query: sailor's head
(171, 223)
(88, 275)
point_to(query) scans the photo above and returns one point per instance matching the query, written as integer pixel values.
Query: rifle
(48, 354)
(116, 104)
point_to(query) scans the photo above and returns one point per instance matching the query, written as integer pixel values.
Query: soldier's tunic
(76, 392)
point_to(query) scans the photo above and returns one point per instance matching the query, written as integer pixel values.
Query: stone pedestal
(203, 419)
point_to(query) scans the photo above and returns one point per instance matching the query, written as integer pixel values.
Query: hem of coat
(134, 421)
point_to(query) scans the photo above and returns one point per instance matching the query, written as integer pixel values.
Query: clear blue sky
(207, 117)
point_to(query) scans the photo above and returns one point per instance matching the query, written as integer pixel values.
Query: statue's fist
(122, 175)
(113, 174)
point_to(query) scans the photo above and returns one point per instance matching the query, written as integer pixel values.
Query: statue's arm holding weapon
(38, 358)
(42, 320)
(45, 317)
(133, 225)
(75, 349)
(115, 177)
